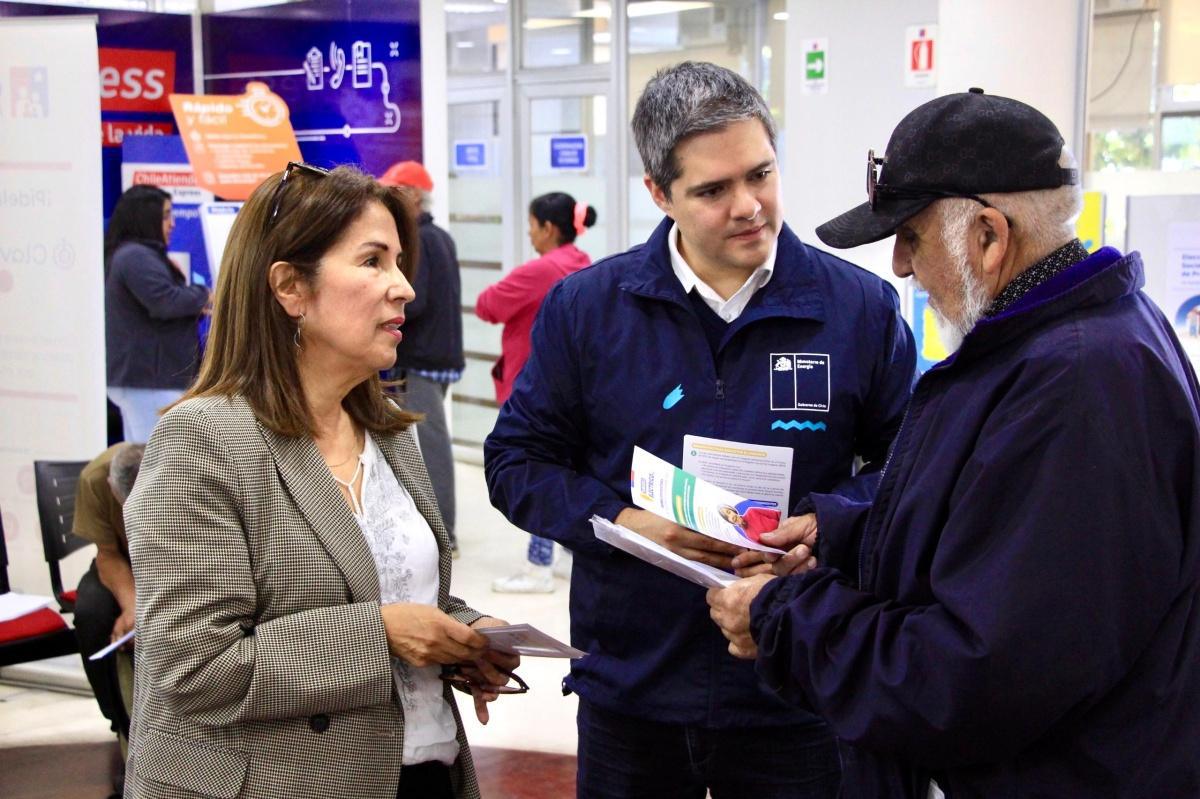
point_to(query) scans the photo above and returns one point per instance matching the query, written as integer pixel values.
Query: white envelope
(528, 641)
(641, 547)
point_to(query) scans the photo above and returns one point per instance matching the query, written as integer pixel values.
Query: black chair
(56, 482)
(34, 636)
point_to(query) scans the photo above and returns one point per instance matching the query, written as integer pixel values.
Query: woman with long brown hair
(295, 634)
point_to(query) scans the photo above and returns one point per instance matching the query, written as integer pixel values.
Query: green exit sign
(814, 65)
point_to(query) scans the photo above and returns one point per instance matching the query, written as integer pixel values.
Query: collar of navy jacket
(1096, 280)
(791, 292)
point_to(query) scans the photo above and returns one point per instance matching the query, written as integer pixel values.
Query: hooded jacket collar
(1101, 278)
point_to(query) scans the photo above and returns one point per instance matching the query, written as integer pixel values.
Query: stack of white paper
(626, 540)
(14, 605)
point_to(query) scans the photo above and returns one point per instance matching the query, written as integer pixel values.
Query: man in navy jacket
(1018, 612)
(690, 334)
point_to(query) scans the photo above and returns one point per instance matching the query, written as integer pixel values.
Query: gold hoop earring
(296, 335)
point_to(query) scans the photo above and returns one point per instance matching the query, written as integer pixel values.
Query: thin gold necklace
(353, 455)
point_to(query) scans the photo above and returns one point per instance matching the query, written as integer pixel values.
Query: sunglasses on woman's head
(292, 168)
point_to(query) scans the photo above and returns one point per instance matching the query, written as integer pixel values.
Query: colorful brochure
(685, 499)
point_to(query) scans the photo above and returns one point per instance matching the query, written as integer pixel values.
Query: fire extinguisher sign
(920, 56)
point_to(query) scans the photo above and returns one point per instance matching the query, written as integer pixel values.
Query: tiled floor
(541, 721)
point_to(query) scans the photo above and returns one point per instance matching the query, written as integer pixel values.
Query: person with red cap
(430, 357)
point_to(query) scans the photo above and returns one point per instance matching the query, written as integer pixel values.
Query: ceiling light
(541, 23)
(470, 8)
(780, 16)
(655, 7)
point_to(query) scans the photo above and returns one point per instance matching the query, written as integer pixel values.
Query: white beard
(973, 300)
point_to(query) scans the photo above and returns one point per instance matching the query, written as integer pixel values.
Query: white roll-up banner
(52, 373)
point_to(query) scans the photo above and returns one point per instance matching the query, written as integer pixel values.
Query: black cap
(957, 145)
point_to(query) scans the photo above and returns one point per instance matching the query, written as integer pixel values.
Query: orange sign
(235, 141)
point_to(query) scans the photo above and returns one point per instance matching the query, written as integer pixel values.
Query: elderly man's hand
(797, 534)
(730, 609)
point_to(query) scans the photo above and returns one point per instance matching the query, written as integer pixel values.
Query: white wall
(1030, 50)
(1027, 49)
(828, 135)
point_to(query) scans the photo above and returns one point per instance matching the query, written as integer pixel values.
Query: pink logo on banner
(29, 90)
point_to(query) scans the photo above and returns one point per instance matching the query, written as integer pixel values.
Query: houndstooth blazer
(262, 667)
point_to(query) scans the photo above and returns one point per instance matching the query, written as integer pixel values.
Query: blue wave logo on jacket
(792, 424)
(672, 399)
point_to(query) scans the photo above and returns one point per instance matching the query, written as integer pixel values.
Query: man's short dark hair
(689, 98)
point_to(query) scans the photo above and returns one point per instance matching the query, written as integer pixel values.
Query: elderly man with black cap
(1018, 611)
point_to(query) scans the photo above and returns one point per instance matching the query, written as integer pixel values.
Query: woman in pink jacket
(555, 219)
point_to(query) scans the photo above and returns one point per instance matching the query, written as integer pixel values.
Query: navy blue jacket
(433, 326)
(610, 344)
(150, 316)
(1019, 612)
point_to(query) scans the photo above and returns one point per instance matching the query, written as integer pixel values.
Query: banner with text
(143, 57)
(52, 372)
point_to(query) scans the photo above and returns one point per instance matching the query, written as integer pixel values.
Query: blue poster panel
(350, 74)
(162, 161)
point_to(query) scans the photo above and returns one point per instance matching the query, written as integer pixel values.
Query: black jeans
(96, 610)
(425, 781)
(621, 757)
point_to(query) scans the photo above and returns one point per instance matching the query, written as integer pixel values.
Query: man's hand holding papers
(680, 540)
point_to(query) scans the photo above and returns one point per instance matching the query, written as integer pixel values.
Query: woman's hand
(484, 671)
(425, 636)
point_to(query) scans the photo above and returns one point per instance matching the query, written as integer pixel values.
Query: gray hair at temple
(683, 100)
(123, 470)
(1044, 219)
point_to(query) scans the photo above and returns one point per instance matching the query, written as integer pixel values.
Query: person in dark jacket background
(430, 358)
(1018, 612)
(150, 312)
(699, 331)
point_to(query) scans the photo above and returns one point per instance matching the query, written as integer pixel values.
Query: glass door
(478, 193)
(564, 130)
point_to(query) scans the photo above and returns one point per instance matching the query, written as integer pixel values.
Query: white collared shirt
(731, 308)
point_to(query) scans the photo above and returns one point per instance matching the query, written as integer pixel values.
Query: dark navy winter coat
(1018, 615)
(433, 327)
(610, 346)
(150, 316)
